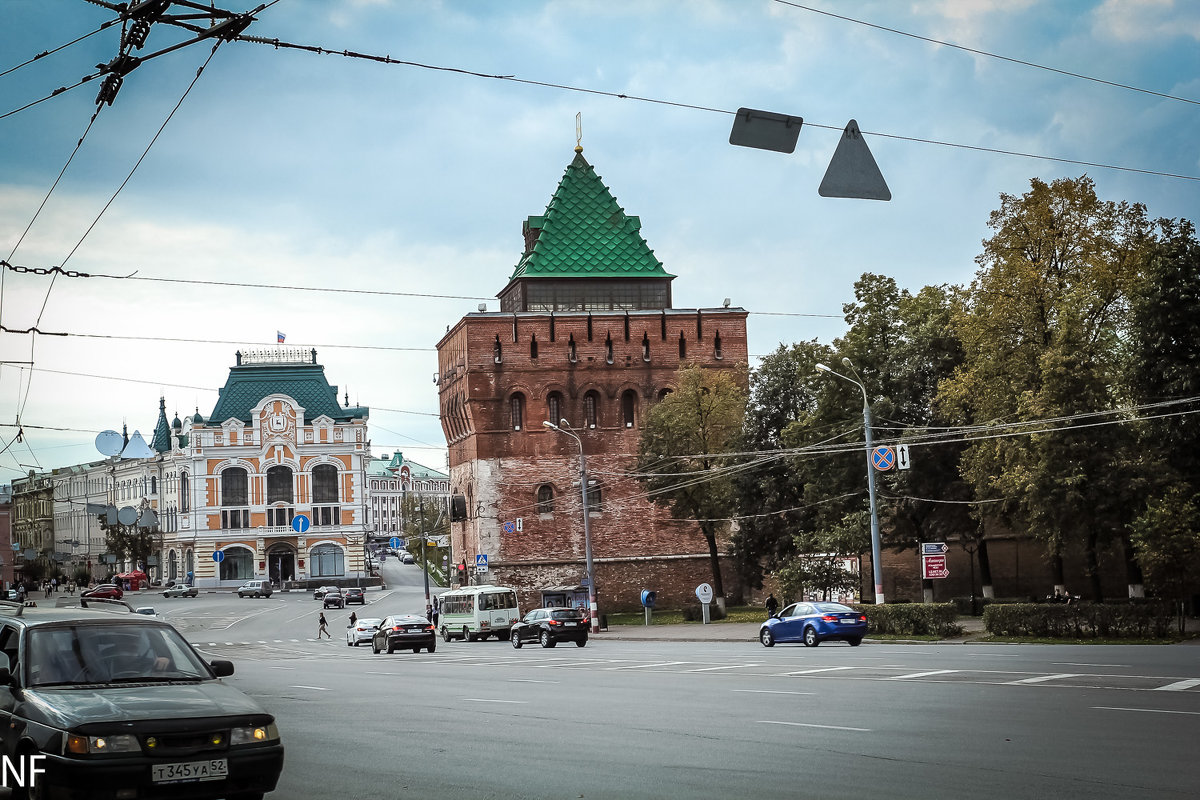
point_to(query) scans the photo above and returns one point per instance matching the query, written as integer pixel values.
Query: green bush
(696, 613)
(913, 619)
(1080, 620)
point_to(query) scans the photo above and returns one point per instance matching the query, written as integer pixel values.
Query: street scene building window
(533, 348)
(279, 485)
(554, 407)
(594, 500)
(184, 502)
(572, 356)
(682, 346)
(545, 499)
(717, 354)
(325, 484)
(235, 487)
(327, 561)
(237, 565)
(590, 401)
(628, 407)
(517, 410)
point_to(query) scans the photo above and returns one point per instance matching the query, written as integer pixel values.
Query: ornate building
(586, 334)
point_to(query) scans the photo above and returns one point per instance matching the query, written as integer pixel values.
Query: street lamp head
(549, 424)
(823, 368)
(846, 362)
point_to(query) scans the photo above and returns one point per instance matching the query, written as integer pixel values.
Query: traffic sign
(704, 593)
(933, 548)
(395, 543)
(481, 564)
(902, 461)
(300, 523)
(883, 458)
(218, 556)
(934, 567)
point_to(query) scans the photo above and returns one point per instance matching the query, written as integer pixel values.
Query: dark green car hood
(68, 707)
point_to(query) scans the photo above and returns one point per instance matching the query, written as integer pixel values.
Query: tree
(1167, 540)
(1041, 330)
(133, 543)
(819, 566)
(681, 453)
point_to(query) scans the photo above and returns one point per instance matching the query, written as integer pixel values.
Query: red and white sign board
(934, 567)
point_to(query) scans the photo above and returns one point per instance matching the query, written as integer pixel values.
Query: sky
(386, 200)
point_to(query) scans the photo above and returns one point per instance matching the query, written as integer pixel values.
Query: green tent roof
(248, 384)
(585, 234)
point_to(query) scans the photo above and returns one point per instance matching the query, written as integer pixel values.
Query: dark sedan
(404, 632)
(813, 623)
(550, 626)
(356, 595)
(334, 599)
(105, 591)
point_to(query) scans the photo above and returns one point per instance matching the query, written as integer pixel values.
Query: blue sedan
(813, 623)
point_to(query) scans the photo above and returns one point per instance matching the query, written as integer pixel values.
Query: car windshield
(368, 623)
(566, 613)
(833, 608)
(105, 653)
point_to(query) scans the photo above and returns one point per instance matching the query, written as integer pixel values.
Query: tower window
(517, 410)
(572, 356)
(717, 354)
(533, 349)
(590, 401)
(628, 407)
(496, 350)
(545, 499)
(682, 347)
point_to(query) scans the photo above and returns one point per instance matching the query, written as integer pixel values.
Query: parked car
(356, 595)
(180, 590)
(334, 599)
(404, 632)
(813, 623)
(361, 631)
(121, 702)
(320, 591)
(106, 591)
(550, 626)
(255, 589)
(407, 558)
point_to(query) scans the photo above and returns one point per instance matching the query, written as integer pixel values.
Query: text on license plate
(569, 624)
(848, 621)
(186, 771)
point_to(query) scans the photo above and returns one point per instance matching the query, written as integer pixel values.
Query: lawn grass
(675, 617)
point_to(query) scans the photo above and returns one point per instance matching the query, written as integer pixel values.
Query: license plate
(569, 624)
(848, 621)
(188, 771)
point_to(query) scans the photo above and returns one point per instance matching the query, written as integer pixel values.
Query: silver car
(180, 590)
(361, 631)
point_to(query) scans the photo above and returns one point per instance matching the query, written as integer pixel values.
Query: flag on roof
(280, 336)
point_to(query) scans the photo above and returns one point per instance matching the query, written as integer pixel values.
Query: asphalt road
(657, 719)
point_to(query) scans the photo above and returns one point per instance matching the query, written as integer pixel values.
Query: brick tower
(585, 333)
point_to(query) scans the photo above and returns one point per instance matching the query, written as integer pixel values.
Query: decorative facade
(586, 334)
(393, 480)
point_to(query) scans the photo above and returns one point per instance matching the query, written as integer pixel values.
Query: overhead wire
(45, 53)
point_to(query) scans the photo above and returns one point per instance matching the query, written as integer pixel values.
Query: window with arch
(153, 485)
(554, 407)
(682, 346)
(238, 564)
(533, 348)
(572, 355)
(184, 503)
(279, 484)
(545, 499)
(662, 393)
(591, 401)
(516, 406)
(595, 500)
(235, 487)
(628, 407)
(325, 483)
(327, 561)
(645, 347)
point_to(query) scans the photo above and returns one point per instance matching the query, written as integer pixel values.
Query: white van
(477, 612)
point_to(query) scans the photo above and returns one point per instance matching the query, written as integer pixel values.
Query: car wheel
(766, 638)
(810, 637)
(515, 638)
(502, 636)
(432, 647)
(467, 636)
(855, 642)
(390, 649)
(349, 643)
(374, 647)
(546, 640)
(581, 642)
(445, 634)
(416, 649)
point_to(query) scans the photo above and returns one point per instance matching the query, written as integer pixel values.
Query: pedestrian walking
(772, 605)
(437, 610)
(323, 627)
(353, 618)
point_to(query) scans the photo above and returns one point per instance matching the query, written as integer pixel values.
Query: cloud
(1146, 20)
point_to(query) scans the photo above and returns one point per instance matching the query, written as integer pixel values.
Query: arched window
(554, 407)
(628, 407)
(153, 485)
(545, 499)
(235, 487)
(595, 499)
(662, 394)
(517, 410)
(590, 416)
(326, 561)
(279, 484)
(533, 346)
(645, 347)
(325, 483)
(682, 346)
(238, 564)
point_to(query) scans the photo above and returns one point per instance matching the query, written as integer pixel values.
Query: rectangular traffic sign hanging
(934, 567)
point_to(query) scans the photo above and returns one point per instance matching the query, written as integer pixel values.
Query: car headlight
(260, 734)
(95, 745)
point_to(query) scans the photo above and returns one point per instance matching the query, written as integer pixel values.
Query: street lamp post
(587, 533)
(876, 567)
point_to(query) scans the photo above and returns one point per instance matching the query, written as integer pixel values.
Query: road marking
(1179, 686)
(811, 725)
(390, 674)
(578, 663)
(1044, 678)
(732, 666)
(818, 669)
(291, 668)
(767, 691)
(314, 688)
(485, 700)
(528, 680)
(648, 666)
(1150, 710)
(922, 674)
(1074, 664)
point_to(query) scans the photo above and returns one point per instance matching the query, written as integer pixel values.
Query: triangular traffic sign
(852, 171)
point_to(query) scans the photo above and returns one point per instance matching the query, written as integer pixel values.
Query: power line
(45, 53)
(990, 55)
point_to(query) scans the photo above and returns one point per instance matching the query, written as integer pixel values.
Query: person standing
(772, 605)
(353, 618)
(323, 627)
(437, 607)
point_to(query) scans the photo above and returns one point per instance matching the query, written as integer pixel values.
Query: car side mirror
(221, 668)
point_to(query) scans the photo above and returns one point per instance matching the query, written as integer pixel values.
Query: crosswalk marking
(1179, 686)
(648, 666)
(816, 670)
(1044, 678)
(812, 725)
(922, 674)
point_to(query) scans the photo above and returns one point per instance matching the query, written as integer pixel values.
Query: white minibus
(477, 612)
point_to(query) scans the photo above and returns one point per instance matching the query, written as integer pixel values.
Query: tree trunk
(1093, 568)
(985, 571)
(1056, 572)
(1133, 570)
(710, 536)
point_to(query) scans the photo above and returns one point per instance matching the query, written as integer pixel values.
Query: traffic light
(462, 573)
